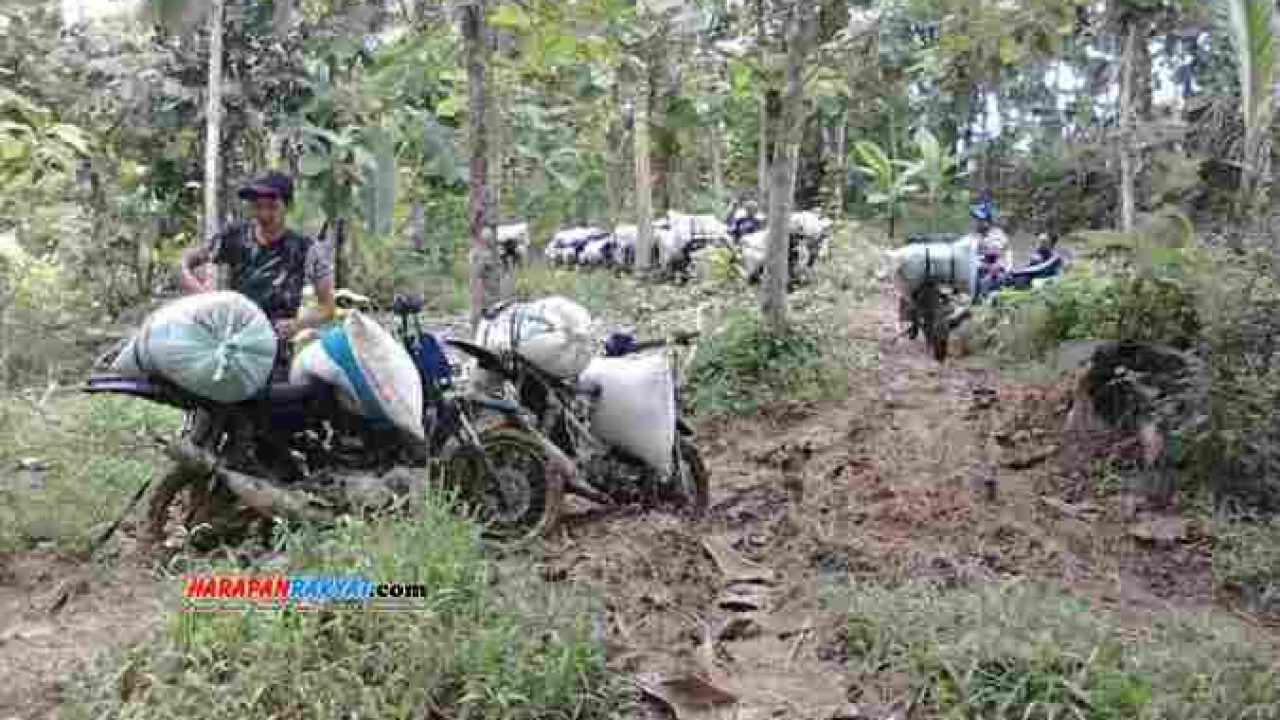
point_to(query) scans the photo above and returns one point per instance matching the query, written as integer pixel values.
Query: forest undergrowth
(850, 486)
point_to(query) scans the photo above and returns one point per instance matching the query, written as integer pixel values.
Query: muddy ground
(947, 475)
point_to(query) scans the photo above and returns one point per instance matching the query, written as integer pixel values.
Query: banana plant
(1247, 26)
(890, 179)
(937, 170)
(34, 150)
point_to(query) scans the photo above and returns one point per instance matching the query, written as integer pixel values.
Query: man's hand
(196, 273)
(285, 328)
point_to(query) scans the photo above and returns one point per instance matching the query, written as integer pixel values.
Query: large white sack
(381, 362)
(517, 232)
(554, 334)
(955, 264)
(636, 411)
(672, 242)
(698, 227)
(220, 346)
(753, 250)
(312, 363)
(595, 251)
(626, 233)
(809, 224)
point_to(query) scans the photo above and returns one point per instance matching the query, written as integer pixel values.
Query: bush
(482, 645)
(1223, 305)
(739, 369)
(43, 313)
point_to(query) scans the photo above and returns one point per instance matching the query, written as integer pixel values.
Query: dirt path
(922, 473)
(42, 649)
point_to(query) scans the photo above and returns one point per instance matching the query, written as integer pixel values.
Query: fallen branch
(1032, 460)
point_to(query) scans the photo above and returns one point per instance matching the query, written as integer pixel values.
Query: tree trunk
(145, 261)
(418, 225)
(644, 180)
(341, 262)
(485, 277)
(762, 148)
(773, 286)
(842, 163)
(717, 160)
(614, 166)
(213, 130)
(1273, 184)
(1128, 163)
(661, 141)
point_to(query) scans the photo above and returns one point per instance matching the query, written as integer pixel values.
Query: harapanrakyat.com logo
(226, 592)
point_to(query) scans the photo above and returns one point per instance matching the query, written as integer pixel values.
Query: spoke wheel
(519, 498)
(692, 477)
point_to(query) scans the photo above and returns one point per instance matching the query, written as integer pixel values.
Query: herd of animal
(680, 242)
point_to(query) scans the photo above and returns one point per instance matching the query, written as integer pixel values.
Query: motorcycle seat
(1048, 268)
(291, 393)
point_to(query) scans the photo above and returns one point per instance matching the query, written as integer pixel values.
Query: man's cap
(272, 185)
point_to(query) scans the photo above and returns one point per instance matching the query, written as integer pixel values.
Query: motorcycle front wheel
(512, 493)
(692, 477)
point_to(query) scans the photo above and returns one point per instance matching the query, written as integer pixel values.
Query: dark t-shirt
(272, 276)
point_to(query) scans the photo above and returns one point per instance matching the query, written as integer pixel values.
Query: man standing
(744, 221)
(268, 262)
(989, 242)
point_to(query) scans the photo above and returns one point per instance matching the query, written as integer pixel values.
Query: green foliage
(1247, 554)
(937, 169)
(98, 451)
(1024, 651)
(740, 369)
(890, 179)
(489, 640)
(42, 314)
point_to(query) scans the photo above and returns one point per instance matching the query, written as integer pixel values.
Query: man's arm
(320, 273)
(192, 258)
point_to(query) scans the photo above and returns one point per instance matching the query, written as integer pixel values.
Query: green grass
(98, 451)
(1247, 554)
(1022, 651)
(739, 369)
(485, 644)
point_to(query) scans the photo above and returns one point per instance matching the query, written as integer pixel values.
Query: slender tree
(485, 277)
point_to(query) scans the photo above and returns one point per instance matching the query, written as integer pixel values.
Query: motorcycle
(561, 411)
(933, 307)
(295, 450)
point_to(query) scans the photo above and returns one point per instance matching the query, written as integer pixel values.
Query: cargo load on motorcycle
(554, 334)
(375, 377)
(219, 346)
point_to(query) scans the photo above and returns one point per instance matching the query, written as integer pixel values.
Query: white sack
(517, 232)
(594, 252)
(809, 224)
(554, 334)
(381, 361)
(753, 250)
(636, 411)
